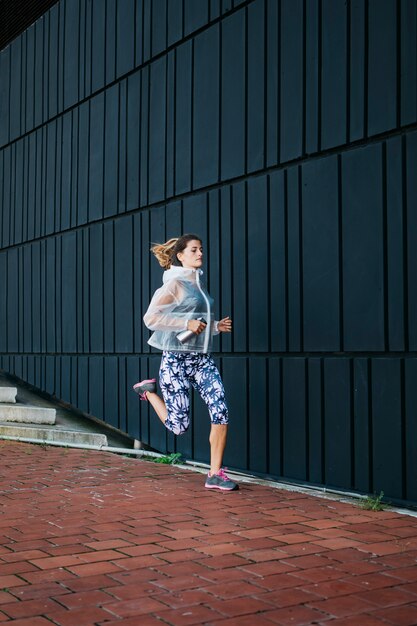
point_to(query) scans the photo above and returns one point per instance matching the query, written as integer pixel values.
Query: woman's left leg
(209, 384)
(218, 437)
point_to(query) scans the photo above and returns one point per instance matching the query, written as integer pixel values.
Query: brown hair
(166, 253)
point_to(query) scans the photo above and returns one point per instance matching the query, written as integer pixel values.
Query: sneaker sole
(222, 488)
(144, 382)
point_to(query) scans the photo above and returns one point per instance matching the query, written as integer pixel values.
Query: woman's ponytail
(163, 252)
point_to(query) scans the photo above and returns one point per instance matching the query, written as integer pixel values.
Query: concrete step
(8, 394)
(64, 425)
(61, 435)
(27, 414)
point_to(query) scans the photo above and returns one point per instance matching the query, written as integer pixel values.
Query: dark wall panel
(411, 229)
(258, 265)
(337, 422)
(51, 176)
(144, 145)
(224, 306)
(195, 14)
(15, 87)
(3, 302)
(175, 21)
(38, 73)
(278, 261)
(121, 200)
(183, 119)
(291, 83)
(206, 122)
(382, 69)
(125, 47)
(232, 157)
(98, 43)
(157, 131)
(111, 147)
(235, 378)
(170, 124)
(51, 295)
(97, 288)
(316, 421)
(240, 286)
(96, 156)
(362, 425)
(69, 278)
(83, 172)
(30, 75)
(274, 425)
(321, 271)
(313, 71)
(6, 209)
(294, 261)
(123, 264)
(74, 170)
(256, 86)
(409, 424)
(52, 61)
(387, 426)
(294, 418)
(333, 74)
(133, 142)
(408, 12)
(357, 77)
(159, 26)
(111, 21)
(71, 53)
(36, 298)
(395, 244)
(5, 96)
(257, 431)
(109, 298)
(363, 249)
(19, 187)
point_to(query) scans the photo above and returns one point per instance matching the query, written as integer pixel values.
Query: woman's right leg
(158, 404)
(173, 410)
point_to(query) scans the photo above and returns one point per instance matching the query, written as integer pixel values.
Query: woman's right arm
(161, 313)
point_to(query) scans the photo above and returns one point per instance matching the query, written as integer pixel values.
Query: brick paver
(91, 538)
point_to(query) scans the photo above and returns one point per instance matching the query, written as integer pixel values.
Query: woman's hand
(196, 326)
(225, 325)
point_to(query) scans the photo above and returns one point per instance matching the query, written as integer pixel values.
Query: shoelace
(222, 474)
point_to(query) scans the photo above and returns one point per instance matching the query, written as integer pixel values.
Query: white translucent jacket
(182, 297)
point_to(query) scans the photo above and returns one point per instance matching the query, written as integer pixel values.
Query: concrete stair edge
(55, 435)
(27, 414)
(8, 395)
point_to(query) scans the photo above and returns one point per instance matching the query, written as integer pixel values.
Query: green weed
(373, 503)
(168, 459)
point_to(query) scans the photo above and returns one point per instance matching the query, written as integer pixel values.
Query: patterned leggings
(177, 371)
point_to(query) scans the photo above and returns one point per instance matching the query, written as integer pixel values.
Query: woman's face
(192, 256)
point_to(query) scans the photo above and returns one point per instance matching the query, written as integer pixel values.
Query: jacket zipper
(207, 331)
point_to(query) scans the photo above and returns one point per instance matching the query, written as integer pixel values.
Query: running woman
(183, 304)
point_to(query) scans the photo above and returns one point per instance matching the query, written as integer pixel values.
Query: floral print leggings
(177, 371)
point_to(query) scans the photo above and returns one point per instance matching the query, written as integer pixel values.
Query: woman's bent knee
(176, 425)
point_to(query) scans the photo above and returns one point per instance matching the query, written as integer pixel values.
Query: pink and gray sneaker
(144, 386)
(220, 481)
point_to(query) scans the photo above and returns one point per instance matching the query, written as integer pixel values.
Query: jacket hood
(183, 273)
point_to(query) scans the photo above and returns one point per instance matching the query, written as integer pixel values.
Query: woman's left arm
(224, 325)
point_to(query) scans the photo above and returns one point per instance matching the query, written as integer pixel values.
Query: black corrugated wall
(284, 132)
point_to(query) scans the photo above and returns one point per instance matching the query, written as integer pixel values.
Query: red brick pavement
(90, 538)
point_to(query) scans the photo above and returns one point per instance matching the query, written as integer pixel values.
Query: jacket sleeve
(161, 313)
